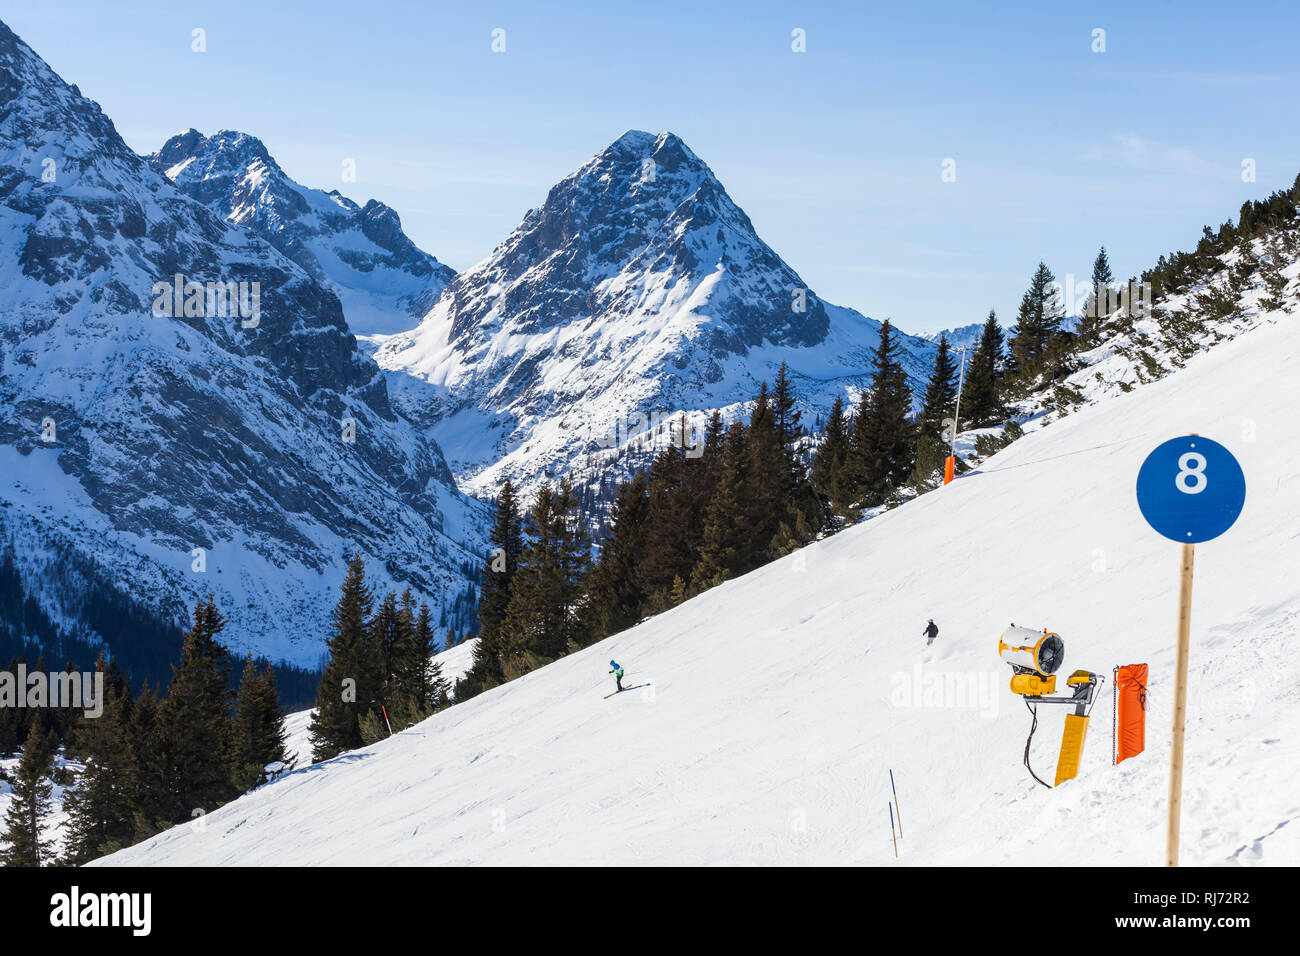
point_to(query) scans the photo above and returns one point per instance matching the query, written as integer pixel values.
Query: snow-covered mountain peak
(634, 140)
(667, 149)
(648, 209)
(36, 110)
(225, 152)
(360, 253)
(639, 287)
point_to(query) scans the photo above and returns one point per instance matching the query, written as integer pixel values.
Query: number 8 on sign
(1191, 489)
(1191, 466)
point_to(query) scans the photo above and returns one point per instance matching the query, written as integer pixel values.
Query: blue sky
(836, 153)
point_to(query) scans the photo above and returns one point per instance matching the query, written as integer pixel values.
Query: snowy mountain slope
(129, 439)
(357, 252)
(779, 702)
(639, 288)
(1151, 343)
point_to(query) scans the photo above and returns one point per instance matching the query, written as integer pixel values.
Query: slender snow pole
(1180, 704)
(891, 829)
(950, 466)
(956, 415)
(384, 710)
(896, 806)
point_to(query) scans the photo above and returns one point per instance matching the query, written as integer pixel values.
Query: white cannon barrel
(1040, 651)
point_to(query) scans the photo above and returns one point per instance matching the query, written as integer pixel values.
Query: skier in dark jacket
(618, 675)
(931, 632)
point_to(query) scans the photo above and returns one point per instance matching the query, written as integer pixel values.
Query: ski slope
(780, 701)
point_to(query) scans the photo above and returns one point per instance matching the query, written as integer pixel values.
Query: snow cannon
(1034, 656)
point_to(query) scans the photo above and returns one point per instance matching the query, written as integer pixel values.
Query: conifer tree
(1037, 323)
(574, 549)
(147, 781)
(981, 402)
(440, 687)
(882, 433)
(850, 482)
(409, 665)
(937, 406)
(437, 689)
(793, 533)
(678, 593)
(24, 842)
(766, 493)
(10, 738)
(941, 389)
(417, 685)
(1097, 307)
(349, 682)
(724, 532)
(699, 473)
(828, 462)
(803, 510)
(387, 632)
(100, 808)
(785, 412)
(197, 717)
(498, 575)
(542, 617)
(1275, 281)
(258, 736)
(616, 593)
(64, 716)
(532, 594)
(671, 537)
(714, 435)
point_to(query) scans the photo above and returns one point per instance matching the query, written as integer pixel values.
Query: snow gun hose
(1033, 710)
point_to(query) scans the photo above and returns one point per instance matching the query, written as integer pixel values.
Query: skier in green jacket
(618, 675)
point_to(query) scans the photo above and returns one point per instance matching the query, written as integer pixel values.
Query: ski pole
(896, 806)
(891, 829)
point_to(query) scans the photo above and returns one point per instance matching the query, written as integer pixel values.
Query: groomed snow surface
(779, 702)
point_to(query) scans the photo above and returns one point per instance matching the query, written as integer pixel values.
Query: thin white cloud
(1138, 152)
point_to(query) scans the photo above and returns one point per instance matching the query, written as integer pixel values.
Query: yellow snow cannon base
(1076, 729)
(1032, 685)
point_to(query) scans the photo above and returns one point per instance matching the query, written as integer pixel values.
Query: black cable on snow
(1033, 709)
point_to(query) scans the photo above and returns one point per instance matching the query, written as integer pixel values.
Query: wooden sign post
(1180, 705)
(1190, 489)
